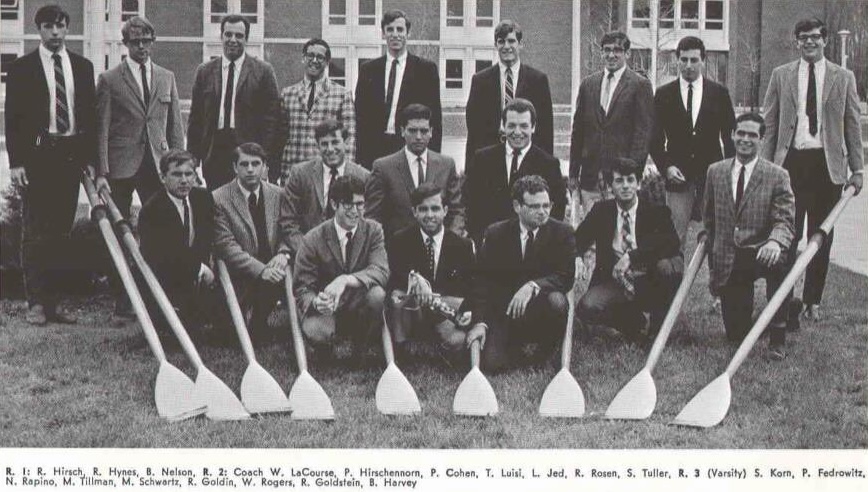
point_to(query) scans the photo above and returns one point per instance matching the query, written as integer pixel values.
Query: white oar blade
(308, 400)
(221, 401)
(709, 406)
(636, 400)
(260, 393)
(475, 397)
(563, 397)
(174, 394)
(395, 395)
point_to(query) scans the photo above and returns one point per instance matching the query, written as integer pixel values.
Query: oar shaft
(567, 347)
(474, 353)
(235, 311)
(297, 339)
(388, 350)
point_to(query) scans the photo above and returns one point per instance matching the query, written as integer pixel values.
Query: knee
(557, 303)
(588, 310)
(451, 338)
(374, 298)
(318, 329)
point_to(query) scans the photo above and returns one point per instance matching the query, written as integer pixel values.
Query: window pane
(484, 8)
(667, 9)
(368, 7)
(484, 22)
(367, 21)
(454, 69)
(337, 7)
(482, 64)
(454, 8)
(641, 9)
(714, 25)
(8, 4)
(337, 70)
(714, 9)
(455, 22)
(130, 5)
(690, 9)
(248, 6)
(219, 7)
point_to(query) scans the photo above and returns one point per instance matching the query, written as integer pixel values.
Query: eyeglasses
(813, 37)
(538, 206)
(314, 57)
(351, 205)
(141, 42)
(616, 50)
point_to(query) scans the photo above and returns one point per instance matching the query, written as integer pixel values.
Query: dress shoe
(62, 316)
(812, 312)
(36, 315)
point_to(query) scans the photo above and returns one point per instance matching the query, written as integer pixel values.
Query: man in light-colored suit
(812, 115)
(387, 193)
(748, 215)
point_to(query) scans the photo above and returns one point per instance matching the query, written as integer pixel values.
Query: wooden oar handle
(567, 346)
(474, 353)
(297, 339)
(388, 350)
(235, 311)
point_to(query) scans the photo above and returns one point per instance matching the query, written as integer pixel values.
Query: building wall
(778, 43)
(286, 59)
(182, 58)
(424, 16)
(293, 19)
(183, 19)
(75, 8)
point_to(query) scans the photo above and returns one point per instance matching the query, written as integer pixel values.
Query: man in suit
(304, 203)
(395, 176)
(639, 262)
(487, 190)
(812, 115)
(341, 271)
(525, 267)
(50, 137)
(234, 101)
(494, 87)
(614, 118)
(693, 116)
(246, 235)
(308, 103)
(748, 215)
(388, 84)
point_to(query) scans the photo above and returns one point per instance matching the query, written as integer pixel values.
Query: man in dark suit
(234, 101)
(639, 262)
(614, 118)
(387, 193)
(525, 267)
(50, 137)
(693, 116)
(487, 195)
(389, 83)
(494, 87)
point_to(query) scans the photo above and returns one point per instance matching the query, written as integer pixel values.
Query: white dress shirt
(224, 74)
(514, 69)
(803, 138)
(617, 241)
(616, 77)
(342, 236)
(399, 77)
(736, 170)
(523, 237)
(697, 96)
(136, 69)
(246, 193)
(522, 153)
(413, 165)
(327, 178)
(179, 206)
(45, 55)
(438, 244)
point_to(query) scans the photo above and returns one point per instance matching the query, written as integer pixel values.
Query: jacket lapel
(793, 83)
(246, 68)
(626, 79)
(242, 208)
(356, 245)
(704, 105)
(316, 175)
(404, 170)
(756, 178)
(727, 177)
(832, 75)
(496, 95)
(333, 243)
(596, 92)
(131, 84)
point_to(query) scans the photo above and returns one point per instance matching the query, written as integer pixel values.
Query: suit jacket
(501, 271)
(486, 100)
(766, 213)
(387, 193)
(840, 130)
(235, 233)
(656, 238)
(421, 84)
(319, 260)
(454, 266)
(487, 194)
(27, 110)
(127, 129)
(692, 148)
(625, 131)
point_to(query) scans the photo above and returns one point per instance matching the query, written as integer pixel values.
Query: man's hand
(620, 269)
(464, 318)
(519, 301)
(19, 177)
(769, 253)
(206, 276)
(421, 288)
(673, 174)
(273, 275)
(279, 261)
(856, 181)
(102, 184)
(477, 333)
(323, 303)
(335, 290)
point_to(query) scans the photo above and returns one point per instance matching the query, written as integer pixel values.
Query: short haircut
(51, 13)
(752, 116)
(519, 105)
(616, 37)
(345, 187)
(810, 24)
(137, 22)
(690, 43)
(234, 19)
(175, 156)
(249, 148)
(532, 184)
(329, 126)
(423, 192)
(413, 112)
(505, 27)
(391, 16)
(623, 166)
(317, 41)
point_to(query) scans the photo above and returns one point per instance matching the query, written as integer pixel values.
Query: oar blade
(475, 397)
(563, 397)
(308, 400)
(174, 394)
(221, 401)
(395, 395)
(260, 393)
(709, 406)
(636, 400)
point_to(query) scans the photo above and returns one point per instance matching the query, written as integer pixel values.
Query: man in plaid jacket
(308, 103)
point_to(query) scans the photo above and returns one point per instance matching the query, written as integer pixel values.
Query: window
(8, 11)
(367, 12)
(641, 13)
(219, 8)
(6, 60)
(666, 14)
(338, 12)
(484, 13)
(684, 15)
(689, 14)
(249, 10)
(129, 9)
(337, 71)
(454, 13)
(454, 74)
(714, 14)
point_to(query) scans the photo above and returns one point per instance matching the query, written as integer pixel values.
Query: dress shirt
(224, 74)
(305, 83)
(617, 243)
(515, 66)
(616, 77)
(136, 70)
(179, 206)
(522, 237)
(697, 96)
(342, 236)
(246, 192)
(438, 244)
(399, 77)
(803, 138)
(521, 155)
(736, 169)
(414, 168)
(48, 67)
(327, 178)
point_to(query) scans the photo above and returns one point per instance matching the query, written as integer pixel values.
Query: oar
(260, 393)
(395, 395)
(637, 399)
(307, 399)
(173, 391)
(209, 390)
(709, 406)
(475, 397)
(563, 396)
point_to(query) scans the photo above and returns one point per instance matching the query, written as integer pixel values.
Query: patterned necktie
(626, 232)
(347, 246)
(604, 98)
(509, 90)
(188, 231)
(528, 244)
(333, 173)
(690, 104)
(429, 251)
(60, 103)
(811, 103)
(390, 92)
(258, 216)
(513, 168)
(739, 187)
(310, 97)
(230, 94)
(420, 171)
(146, 90)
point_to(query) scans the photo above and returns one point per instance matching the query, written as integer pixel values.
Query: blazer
(421, 84)
(387, 193)
(303, 201)
(454, 273)
(840, 130)
(692, 149)
(485, 104)
(625, 131)
(27, 111)
(319, 260)
(501, 271)
(234, 231)
(126, 129)
(488, 195)
(656, 238)
(766, 213)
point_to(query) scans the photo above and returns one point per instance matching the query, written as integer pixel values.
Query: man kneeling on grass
(341, 270)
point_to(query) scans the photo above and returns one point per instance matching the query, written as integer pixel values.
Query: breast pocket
(165, 98)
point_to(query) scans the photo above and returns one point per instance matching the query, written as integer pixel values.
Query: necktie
(146, 90)
(333, 173)
(626, 232)
(528, 244)
(390, 93)
(60, 103)
(230, 94)
(429, 250)
(310, 97)
(811, 103)
(188, 231)
(690, 103)
(347, 250)
(513, 168)
(604, 98)
(258, 216)
(509, 90)
(420, 171)
(739, 187)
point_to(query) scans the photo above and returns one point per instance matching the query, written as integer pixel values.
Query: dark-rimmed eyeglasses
(805, 37)
(352, 205)
(314, 57)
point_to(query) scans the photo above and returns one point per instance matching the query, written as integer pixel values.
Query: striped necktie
(508, 88)
(60, 101)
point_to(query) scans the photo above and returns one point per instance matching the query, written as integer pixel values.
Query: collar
(438, 238)
(179, 203)
(305, 82)
(515, 67)
(631, 210)
(46, 53)
(246, 193)
(326, 170)
(616, 74)
(821, 63)
(224, 62)
(697, 84)
(748, 167)
(342, 233)
(134, 65)
(402, 59)
(521, 153)
(411, 157)
(524, 230)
